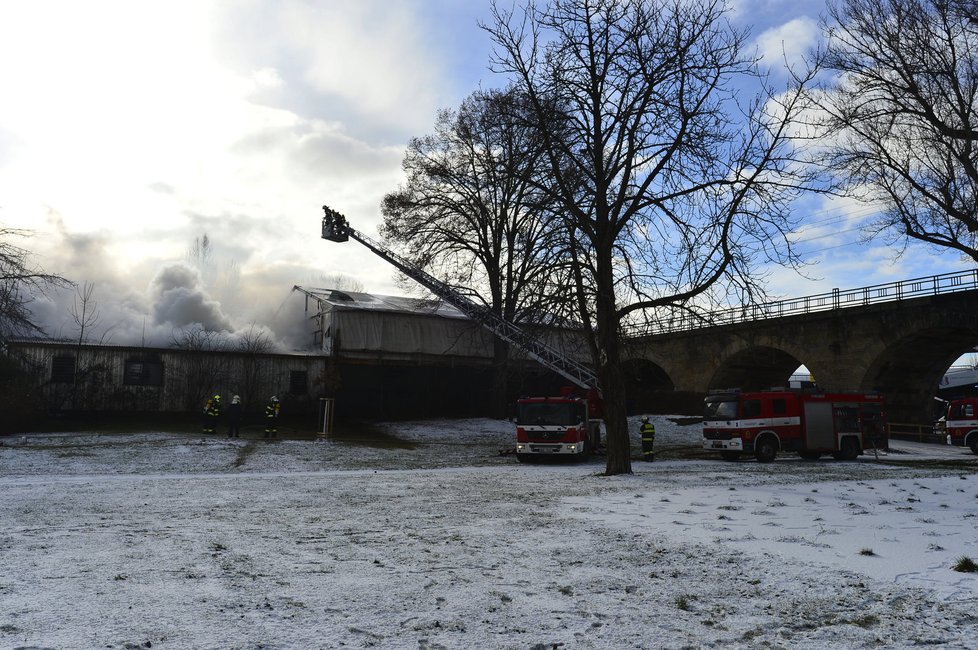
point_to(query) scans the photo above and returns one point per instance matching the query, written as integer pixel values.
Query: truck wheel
(974, 443)
(765, 449)
(848, 450)
(730, 455)
(524, 458)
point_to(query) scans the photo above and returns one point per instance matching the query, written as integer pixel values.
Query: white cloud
(129, 123)
(788, 43)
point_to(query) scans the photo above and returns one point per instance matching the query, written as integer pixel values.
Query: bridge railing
(684, 320)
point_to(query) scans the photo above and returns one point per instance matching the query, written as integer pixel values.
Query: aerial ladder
(336, 228)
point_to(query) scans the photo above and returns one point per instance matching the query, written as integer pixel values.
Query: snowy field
(174, 541)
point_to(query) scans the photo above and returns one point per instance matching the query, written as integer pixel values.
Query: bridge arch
(645, 383)
(908, 370)
(754, 366)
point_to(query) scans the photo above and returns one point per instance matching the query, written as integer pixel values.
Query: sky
(129, 130)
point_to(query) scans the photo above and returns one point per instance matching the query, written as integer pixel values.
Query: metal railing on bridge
(836, 299)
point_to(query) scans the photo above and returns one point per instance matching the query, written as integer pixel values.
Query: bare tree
(20, 282)
(341, 282)
(902, 114)
(84, 311)
(90, 364)
(201, 253)
(253, 343)
(202, 371)
(669, 188)
(472, 212)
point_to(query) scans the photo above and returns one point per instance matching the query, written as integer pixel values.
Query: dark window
(752, 408)
(63, 370)
(780, 406)
(298, 382)
(143, 373)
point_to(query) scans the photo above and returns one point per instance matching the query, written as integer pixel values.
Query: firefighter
(212, 411)
(234, 417)
(648, 439)
(271, 417)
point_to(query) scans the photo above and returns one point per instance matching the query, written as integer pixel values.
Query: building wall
(396, 333)
(354, 333)
(112, 378)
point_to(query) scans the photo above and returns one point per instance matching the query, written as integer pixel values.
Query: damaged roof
(354, 300)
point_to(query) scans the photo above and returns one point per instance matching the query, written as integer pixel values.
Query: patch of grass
(750, 635)
(965, 463)
(683, 600)
(867, 621)
(75, 453)
(965, 565)
(368, 435)
(867, 552)
(243, 454)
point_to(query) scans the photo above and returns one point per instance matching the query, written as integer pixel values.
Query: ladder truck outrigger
(568, 425)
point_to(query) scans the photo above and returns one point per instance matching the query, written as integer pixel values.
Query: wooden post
(326, 409)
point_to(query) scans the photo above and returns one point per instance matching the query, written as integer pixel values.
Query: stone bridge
(896, 339)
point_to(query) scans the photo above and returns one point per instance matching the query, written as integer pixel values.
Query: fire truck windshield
(721, 409)
(551, 413)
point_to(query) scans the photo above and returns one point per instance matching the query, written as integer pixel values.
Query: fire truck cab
(811, 424)
(961, 423)
(568, 426)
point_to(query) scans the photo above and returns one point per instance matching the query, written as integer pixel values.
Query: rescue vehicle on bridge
(812, 424)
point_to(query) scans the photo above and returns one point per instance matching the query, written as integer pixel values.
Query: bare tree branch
(902, 116)
(20, 283)
(472, 212)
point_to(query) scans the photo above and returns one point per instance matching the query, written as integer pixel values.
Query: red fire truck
(961, 423)
(568, 425)
(809, 423)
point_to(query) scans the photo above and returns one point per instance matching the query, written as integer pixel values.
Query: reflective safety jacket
(213, 407)
(272, 409)
(648, 430)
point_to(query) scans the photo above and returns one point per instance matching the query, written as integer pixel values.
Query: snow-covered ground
(173, 541)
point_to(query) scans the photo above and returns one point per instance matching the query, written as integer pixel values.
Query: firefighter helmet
(273, 399)
(645, 419)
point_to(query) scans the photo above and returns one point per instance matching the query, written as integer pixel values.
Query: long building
(377, 356)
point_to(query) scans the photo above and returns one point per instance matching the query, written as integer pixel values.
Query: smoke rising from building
(180, 300)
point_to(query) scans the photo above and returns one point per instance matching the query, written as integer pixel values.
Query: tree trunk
(611, 374)
(616, 424)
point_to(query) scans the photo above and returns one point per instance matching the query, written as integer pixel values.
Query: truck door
(819, 432)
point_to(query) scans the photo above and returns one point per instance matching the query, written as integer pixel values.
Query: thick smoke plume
(180, 300)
